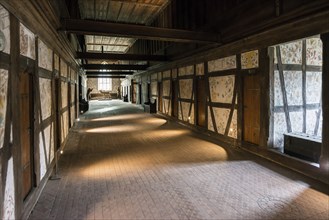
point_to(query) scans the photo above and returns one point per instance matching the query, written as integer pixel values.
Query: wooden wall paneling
(283, 89)
(324, 159)
(212, 115)
(14, 84)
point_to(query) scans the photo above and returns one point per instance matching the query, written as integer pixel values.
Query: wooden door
(26, 128)
(160, 96)
(174, 99)
(201, 102)
(251, 108)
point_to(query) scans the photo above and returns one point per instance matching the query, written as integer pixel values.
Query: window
(104, 84)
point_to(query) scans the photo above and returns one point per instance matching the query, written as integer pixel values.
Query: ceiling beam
(101, 28)
(118, 56)
(114, 67)
(138, 3)
(112, 72)
(101, 76)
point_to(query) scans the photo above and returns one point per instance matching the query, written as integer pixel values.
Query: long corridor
(121, 163)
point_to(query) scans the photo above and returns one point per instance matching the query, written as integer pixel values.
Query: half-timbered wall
(297, 83)
(53, 90)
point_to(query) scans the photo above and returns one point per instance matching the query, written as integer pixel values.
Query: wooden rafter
(147, 4)
(119, 56)
(101, 28)
(110, 72)
(114, 67)
(102, 76)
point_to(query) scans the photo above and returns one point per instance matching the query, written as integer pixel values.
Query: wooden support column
(240, 100)
(16, 137)
(324, 159)
(264, 69)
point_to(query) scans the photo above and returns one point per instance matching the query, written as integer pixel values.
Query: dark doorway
(201, 102)
(26, 131)
(174, 99)
(251, 108)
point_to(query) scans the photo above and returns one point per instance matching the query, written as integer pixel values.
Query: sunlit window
(104, 84)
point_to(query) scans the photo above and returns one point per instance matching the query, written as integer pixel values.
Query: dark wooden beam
(102, 76)
(116, 56)
(108, 72)
(324, 159)
(114, 67)
(101, 28)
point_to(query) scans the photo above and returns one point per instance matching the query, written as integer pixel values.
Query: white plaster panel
(166, 74)
(64, 125)
(311, 116)
(225, 63)
(249, 59)
(63, 67)
(313, 87)
(3, 103)
(296, 120)
(64, 94)
(93, 84)
(293, 85)
(233, 131)
(221, 118)
(222, 88)
(27, 42)
(56, 62)
(278, 99)
(291, 53)
(314, 51)
(72, 114)
(183, 112)
(187, 70)
(46, 149)
(166, 105)
(186, 88)
(166, 88)
(9, 195)
(72, 93)
(154, 88)
(199, 69)
(280, 127)
(45, 97)
(5, 28)
(45, 56)
(210, 124)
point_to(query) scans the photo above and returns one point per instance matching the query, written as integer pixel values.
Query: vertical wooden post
(271, 97)
(324, 159)
(264, 69)
(14, 85)
(240, 100)
(37, 114)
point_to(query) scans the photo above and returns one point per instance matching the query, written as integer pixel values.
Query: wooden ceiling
(119, 11)
(109, 29)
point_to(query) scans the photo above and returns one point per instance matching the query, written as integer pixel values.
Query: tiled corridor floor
(120, 163)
